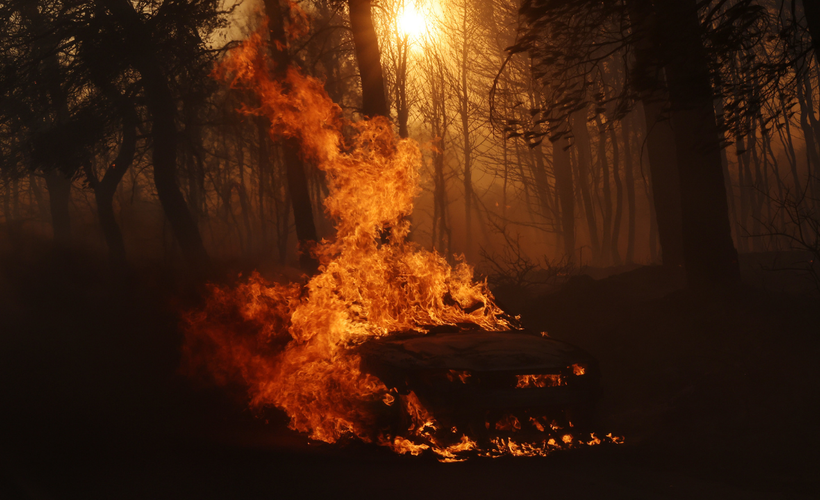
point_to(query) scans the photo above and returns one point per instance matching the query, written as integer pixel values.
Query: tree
(295, 167)
(142, 52)
(374, 102)
(647, 77)
(709, 253)
(54, 142)
(572, 44)
(106, 187)
(812, 12)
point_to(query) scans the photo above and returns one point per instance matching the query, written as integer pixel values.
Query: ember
(549, 380)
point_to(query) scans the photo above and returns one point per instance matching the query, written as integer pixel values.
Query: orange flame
(290, 345)
(540, 380)
(365, 288)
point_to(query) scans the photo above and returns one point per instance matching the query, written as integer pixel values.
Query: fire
(461, 375)
(542, 380)
(508, 423)
(291, 345)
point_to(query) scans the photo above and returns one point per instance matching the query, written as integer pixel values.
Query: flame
(508, 423)
(461, 375)
(542, 380)
(290, 344)
(537, 424)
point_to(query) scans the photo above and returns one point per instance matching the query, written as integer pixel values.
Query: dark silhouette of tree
(40, 98)
(812, 11)
(709, 253)
(142, 51)
(106, 187)
(86, 68)
(374, 102)
(647, 76)
(676, 69)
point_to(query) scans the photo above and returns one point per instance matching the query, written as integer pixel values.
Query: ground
(717, 395)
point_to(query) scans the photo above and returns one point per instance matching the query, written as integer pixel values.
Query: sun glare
(411, 23)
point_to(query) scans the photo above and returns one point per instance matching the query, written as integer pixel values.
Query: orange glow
(537, 381)
(411, 22)
(578, 369)
(508, 423)
(365, 288)
(291, 345)
(461, 375)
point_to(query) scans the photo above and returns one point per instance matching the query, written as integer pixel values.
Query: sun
(411, 23)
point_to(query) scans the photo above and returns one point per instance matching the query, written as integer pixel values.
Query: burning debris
(455, 382)
(304, 348)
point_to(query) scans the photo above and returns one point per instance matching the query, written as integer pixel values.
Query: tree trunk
(294, 166)
(709, 253)
(262, 165)
(162, 110)
(757, 199)
(402, 106)
(788, 144)
(366, 45)
(606, 237)
(542, 185)
(110, 229)
(727, 176)
(619, 199)
(811, 8)
(660, 138)
(242, 191)
(804, 91)
(581, 133)
(59, 199)
(464, 112)
(7, 201)
(105, 189)
(742, 158)
(438, 128)
(563, 186)
(629, 179)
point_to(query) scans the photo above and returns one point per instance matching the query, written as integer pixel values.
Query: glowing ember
(538, 425)
(461, 375)
(544, 380)
(508, 423)
(291, 345)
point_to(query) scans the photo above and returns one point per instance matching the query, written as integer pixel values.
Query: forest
(561, 148)
(208, 206)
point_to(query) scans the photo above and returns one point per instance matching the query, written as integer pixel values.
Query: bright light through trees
(411, 22)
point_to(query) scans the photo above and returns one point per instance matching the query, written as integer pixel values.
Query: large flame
(290, 345)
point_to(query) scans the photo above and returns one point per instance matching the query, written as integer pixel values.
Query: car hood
(478, 351)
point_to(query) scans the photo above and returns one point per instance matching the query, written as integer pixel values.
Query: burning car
(490, 385)
(459, 376)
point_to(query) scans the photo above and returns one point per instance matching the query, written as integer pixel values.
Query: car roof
(519, 351)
